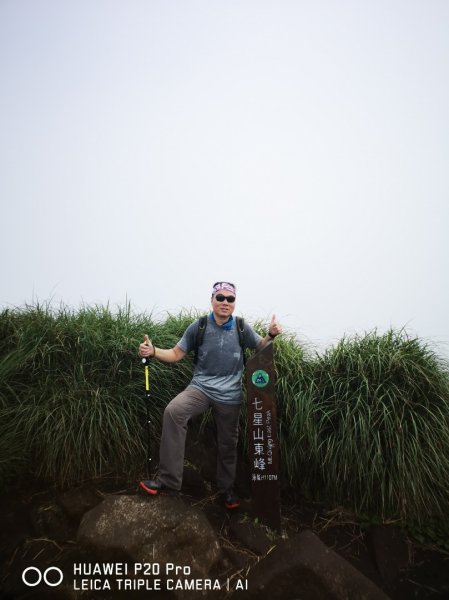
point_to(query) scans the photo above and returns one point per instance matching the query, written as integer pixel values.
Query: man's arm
(171, 355)
(262, 342)
(273, 330)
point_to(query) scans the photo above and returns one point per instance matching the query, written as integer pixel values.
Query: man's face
(220, 306)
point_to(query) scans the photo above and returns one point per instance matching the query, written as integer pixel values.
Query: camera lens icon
(33, 576)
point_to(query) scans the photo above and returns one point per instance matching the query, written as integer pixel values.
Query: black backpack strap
(202, 323)
(240, 324)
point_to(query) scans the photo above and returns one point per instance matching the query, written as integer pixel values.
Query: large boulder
(155, 530)
(304, 567)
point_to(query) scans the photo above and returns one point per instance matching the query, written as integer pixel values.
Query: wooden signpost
(262, 437)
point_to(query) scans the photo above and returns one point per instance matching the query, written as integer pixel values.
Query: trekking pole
(145, 362)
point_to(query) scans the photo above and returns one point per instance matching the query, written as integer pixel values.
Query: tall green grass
(365, 424)
(71, 391)
(370, 426)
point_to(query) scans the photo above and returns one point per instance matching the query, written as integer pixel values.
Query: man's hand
(275, 327)
(146, 349)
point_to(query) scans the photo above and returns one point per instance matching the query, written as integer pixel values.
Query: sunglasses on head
(222, 298)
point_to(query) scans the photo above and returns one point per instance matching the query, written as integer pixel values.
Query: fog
(298, 149)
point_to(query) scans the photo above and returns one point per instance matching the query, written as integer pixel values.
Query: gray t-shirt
(218, 372)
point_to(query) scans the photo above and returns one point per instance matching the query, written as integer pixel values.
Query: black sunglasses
(222, 298)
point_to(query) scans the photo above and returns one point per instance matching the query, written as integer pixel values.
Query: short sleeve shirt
(218, 372)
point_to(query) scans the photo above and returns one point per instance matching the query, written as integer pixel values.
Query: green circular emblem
(260, 378)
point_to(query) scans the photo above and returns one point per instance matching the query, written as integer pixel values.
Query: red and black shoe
(230, 500)
(155, 488)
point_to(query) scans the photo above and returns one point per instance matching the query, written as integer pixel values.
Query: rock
(78, 501)
(193, 483)
(204, 458)
(201, 448)
(252, 537)
(389, 550)
(162, 530)
(49, 521)
(303, 567)
(15, 524)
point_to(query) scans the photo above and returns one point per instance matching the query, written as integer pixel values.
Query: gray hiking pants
(185, 405)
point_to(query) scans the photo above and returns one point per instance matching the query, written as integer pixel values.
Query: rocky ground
(40, 526)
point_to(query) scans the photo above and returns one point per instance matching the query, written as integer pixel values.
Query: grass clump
(71, 391)
(377, 435)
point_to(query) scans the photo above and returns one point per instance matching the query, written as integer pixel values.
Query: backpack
(202, 324)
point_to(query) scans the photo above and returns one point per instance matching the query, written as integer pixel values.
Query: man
(217, 383)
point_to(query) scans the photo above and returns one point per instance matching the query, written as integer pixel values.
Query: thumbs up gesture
(146, 349)
(274, 328)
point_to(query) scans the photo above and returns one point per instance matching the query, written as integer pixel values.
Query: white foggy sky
(297, 148)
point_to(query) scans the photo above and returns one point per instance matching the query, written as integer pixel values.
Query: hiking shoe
(155, 487)
(231, 500)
